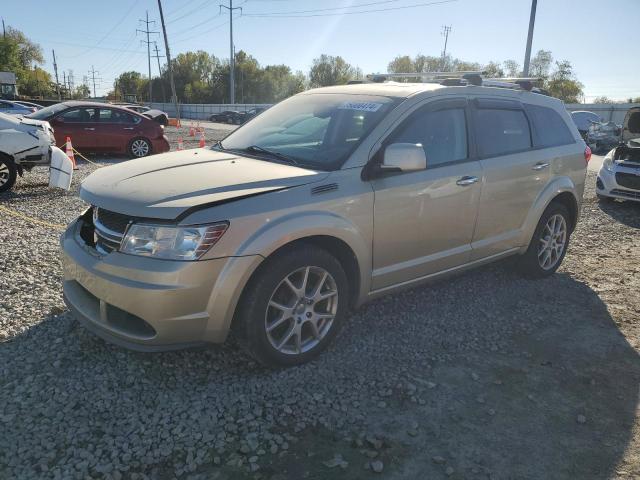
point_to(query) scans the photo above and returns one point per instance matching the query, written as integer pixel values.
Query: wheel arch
(561, 190)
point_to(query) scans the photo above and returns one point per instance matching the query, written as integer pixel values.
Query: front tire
(139, 147)
(549, 243)
(293, 307)
(8, 174)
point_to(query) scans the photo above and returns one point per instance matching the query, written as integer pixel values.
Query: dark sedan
(100, 127)
(228, 116)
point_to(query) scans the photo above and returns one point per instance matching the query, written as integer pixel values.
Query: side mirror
(404, 157)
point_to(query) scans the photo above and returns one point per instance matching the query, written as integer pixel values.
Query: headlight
(171, 242)
(608, 164)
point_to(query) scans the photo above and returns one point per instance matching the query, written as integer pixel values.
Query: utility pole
(148, 42)
(445, 33)
(158, 57)
(64, 79)
(55, 69)
(70, 80)
(166, 46)
(527, 54)
(93, 72)
(4, 30)
(232, 60)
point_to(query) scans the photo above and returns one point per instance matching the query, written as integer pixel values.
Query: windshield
(314, 130)
(47, 112)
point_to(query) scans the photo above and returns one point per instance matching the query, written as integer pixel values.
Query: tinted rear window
(550, 128)
(500, 132)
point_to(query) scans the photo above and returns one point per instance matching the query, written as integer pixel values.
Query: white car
(15, 108)
(619, 176)
(27, 143)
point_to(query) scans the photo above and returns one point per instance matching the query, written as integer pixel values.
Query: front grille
(626, 193)
(628, 180)
(109, 229)
(116, 222)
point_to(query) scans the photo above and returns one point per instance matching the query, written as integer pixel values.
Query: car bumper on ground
(149, 304)
(160, 145)
(608, 186)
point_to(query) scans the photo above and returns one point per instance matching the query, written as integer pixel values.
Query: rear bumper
(161, 145)
(149, 304)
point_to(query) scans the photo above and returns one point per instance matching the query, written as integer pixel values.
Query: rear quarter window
(549, 127)
(500, 132)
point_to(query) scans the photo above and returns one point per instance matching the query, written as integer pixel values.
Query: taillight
(587, 154)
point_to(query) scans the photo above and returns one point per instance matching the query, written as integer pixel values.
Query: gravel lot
(485, 375)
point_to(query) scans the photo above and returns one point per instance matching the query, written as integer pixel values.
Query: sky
(599, 37)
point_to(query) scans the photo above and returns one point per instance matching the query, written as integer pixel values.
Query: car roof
(81, 103)
(406, 90)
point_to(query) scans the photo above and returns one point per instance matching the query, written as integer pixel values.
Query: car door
(424, 220)
(79, 124)
(117, 128)
(514, 173)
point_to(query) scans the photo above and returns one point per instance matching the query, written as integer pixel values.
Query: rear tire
(549, 243)
(8, 173)
(293, 306)
(139, 147)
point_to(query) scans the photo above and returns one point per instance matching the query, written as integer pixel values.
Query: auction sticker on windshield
(361, 106)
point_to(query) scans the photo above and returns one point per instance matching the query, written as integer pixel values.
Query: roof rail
(463, 78)
(425, 76)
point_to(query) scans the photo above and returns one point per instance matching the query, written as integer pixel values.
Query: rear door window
(80, 115)
(549, 127)
(501, 131)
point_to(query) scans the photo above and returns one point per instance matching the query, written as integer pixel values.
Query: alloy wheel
(553, 241)
(4, 173)
(140, 148)
(301, 310)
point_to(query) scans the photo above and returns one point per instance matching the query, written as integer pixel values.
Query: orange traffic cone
(69, 151)
(179, 143)
(192, 132)
(202, 142)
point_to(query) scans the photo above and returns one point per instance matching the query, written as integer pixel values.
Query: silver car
(15, 108)
(330, 199)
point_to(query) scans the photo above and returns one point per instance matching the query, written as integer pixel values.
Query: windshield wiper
(278, 155)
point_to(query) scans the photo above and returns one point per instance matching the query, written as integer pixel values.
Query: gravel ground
(485, 375)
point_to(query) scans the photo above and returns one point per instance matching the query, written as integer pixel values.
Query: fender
(557, 186)
(299, 225)
(267, 240)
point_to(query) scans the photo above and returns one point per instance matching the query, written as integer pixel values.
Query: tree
(21, 56)
(603, 99)
(36, 83)
(493, 70)
(129, 83)
(512, 68)
(328, 70)
(563, 84)
(540, 64)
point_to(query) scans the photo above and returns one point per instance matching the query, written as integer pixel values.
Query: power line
(445, 33)
(158, 56)
(232, 60)
(403, 7)
(337, 8)
(109, 32)
(93, 72)
(148, 42)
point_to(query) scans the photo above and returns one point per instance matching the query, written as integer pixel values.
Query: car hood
(165, 186)
(631, 126)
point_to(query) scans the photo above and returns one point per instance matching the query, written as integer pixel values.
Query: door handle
(128, 128)
(466, 180)
(89, 128)
(540, 166)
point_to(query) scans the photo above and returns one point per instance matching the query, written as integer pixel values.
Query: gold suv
(325, 201)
